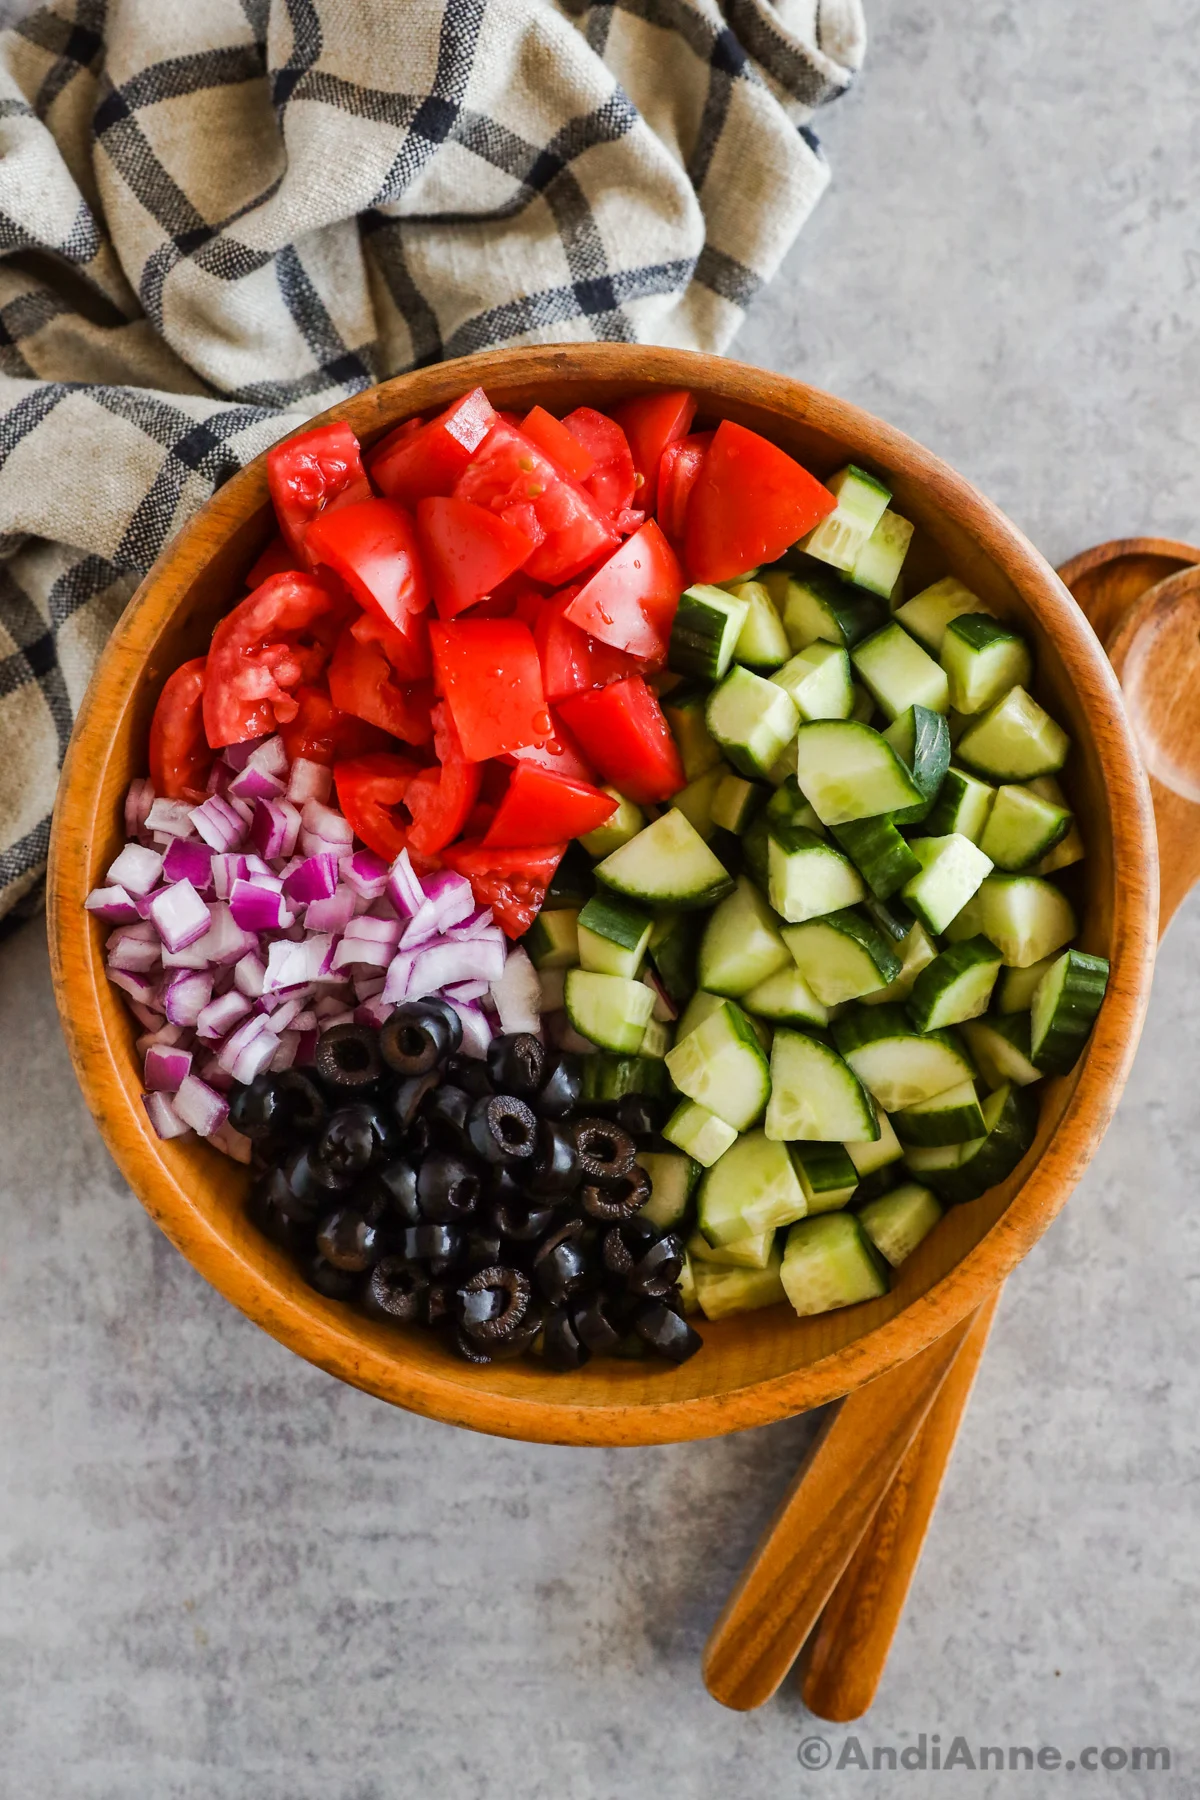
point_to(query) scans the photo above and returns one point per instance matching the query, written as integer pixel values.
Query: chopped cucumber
(607, 1078)
(787, 806)
(806, 876)
(754, 1187)
(736, 802)
(898, 1066)
(708, 622)
(879, 853)
(741, 945)
(952, 869)
(752, 719)
(552, 941)
(673, 942)
(843, 534)
(956, 985)
(683, 709)
(846, 771)
(744, 1253)
(762, 642)
(830, 1262)
(897, 1222)
(688, 1298)
(842, 956)
(928, 613)
(1071, 849)
(666, 864)
(815, 1097)
(672, 1179)
(721, 1064)
(983, 659)
(786, 999)
(817, 607)
(963, 806)
(930, 1159)
(617, 829)
(916, 954)
(571, 883)
(695, 801)
(1025, 916)
(608, 1009)
(613, 935)
(870, 1155)
(899, 673)
(1022, 828)
(701, 1006)
(698, 1133)
(827, 1175)
(1064, 1010)
(1018, 986)
(878, 564)
(818, 680)
(1000, 1045)
(1014, 740)
(721, 1292)
(863, 709)
(1011, 1120)
(950, 1118)
(658, 1036)
(921, 738)
(892, 917)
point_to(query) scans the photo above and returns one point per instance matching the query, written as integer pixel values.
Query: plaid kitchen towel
(217, 217)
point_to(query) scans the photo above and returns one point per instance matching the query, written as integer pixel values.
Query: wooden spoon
(809, 1549)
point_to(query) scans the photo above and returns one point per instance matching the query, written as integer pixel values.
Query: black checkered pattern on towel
(217, 217)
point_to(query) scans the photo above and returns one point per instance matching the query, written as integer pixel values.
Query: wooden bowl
(768, 1364)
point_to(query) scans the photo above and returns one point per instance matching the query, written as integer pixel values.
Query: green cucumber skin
(935, 977)
(1081, 998)
(608, 1077)
(930, 762)
(996, 1157)
(879, 853)
(701, 646)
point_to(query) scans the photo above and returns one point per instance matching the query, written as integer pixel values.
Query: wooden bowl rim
(446, 1393)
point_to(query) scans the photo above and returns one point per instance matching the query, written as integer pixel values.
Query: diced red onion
(162, 1115)
(345, 1017)
(113, 904)
(315, 879)
(285, 1056)
(171, 818)
(256, 868)
(136, 869)
(135, 953)
(168, 1036)
(142, 988)
(329, 1006)
(443, 965)
(308, 781)
(305, 1021)
(366, 986)
(311, 843)
(472, 925)
(248, 1050)
(422, 928)
(219, 777)
(138, 929)
(270, 757)
(333, 914)
(219, 823)
(360, 953)
(225, 941)
(325, 823)
(248, 973)
(366, 873)
(367, 930)
(238, 755)
(138, 801)
(255, 784)
(451, 895)
(186, 995)
(145, 1015)
(231, 1143)
(274, 827)
(284, 1013)
(466, 990)
(188, 860)
(200, 1106)
(306, 1047)
(210, 1070)
(395, 988)
(290, 965)
(180, 915)
(373, 1013)
(166, 1067)
(517, 993)
(256, 907)
(477, 1032)
(403, 889)
(220, 1016)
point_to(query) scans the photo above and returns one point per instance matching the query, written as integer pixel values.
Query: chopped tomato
(406, 646)
(613, 481)
(180, 754)
(410, 464)
(265, 648)
(276, 559)
(313, 473)
(363, 682)
(569, 452)
(560, 753)
(540, 803)
(651, 422)
(678, 473)
(372, 546)
(489, 673)
(512, 882)
(572, 661)
(630, 601)
(623, 731)
(320, 733)
(750, 501)
(370, 791)
(468, 551)
(511, 476)
(441, 799)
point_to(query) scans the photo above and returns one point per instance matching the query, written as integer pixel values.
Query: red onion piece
(171, 818)
(308, 781)
(145, 1015)
(325, 823)
(442, 965)
(373, 1012)
(365, 873)
(220, 1016)
(270, 757)
(399, 975)
(135, 953)
(517, 992)
(247, 1051)
(168, 1036)
(211, 1071)
(186, 995)
(219, 822)
(200, 1106)
(477, 1032)
(219, 777)
(180, 915)
(466, 990)
(274, 828)
(475, 922)
(225, 941)
(366, 986)
(315, 879)
(451, 895)
(248, 974)
(165, 1120)
(142, 988)
(138, 801)
(255, 784)
(139, 929)
(291, 965)
(369, 930)
(189, 860)
(333, 914)
(256, 907)
(306, 1047)
(136, 869)
(166, 1067)
(403, 889)
(238, 755)
(113, 904)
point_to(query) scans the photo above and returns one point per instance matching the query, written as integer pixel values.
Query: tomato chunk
(410, 464)
(512, 882)
(540, 803)
(441, 799)
(613, 481)
(560, 753)
(750, 502)
(569, 452)
(489, 672)
(622, 730)
(630, 601)
(363, 682)
(406, 646)
(372, 546)
(572, 661)
(311, 474)
(468, 551)
(511, 476)
(678, 473)
(321, 733)
(370, 791)
(180, 754)
(264, 649)
(276, 559)
(650, 423)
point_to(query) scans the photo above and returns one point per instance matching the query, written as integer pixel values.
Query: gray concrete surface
(225, 1577)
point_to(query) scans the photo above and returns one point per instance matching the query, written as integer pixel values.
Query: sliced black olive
(420, 1137)
(412, 1093)
(353, 1138)
(274, 1220)
(626, 1244)
(620, 1201)
(277, 1107)
(398, 1288)
(666, 1332)
(416, 1038)
(593, 1324)
(447, 1110)
(438, 1303)
(311, 1182)
(606, 1153)
(483, 1246)
(471, 1349)
(562, 1346)
(638, 1115)
(521, 1223)
(347, 1058)
(470, 1074)
(658, 1268)
(523, 1336)
(516, 1063)
(334, 1283)
(562, 1086)
(555, 1171)
(493, 1302)
(253, 1109)
(395, 1187)
(432, 1243)
(560, 1264)
(448, 1189)
(503, 1129)
(346, 1240)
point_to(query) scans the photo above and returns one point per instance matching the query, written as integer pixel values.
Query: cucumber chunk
(754, 1187)
(1018, 986)
(1025, 916)
(818, 607)
(1014, 740)
(815, 1097)
(695, 801)
(722, 1292)
(863, 709)
(928, 1159)
(846, 771)
(736, 802)
(1000, 1045)
(952, 869)
(666, 864)
(608, 1009)
(673, 941)
(806, 876)
(1011, 1120)
(613, 934)
(552, 941)
(869, 1156)
(698, 1133)
(898, 673)
(687, 1287)
(897, 1222)
(743, 1253)
(830, 1262)
(963, 805)
(617, 829)
(818, 681)
(1071, 849)
(741, 945)
(701, 1006)
(658, 1036)
(898, 1066)
(842, 956)
(921, 738)
(752, 719)
(762, 642)
(956, 985)
(672, 1179)
(892, 917)
(916, 954)
(879, 853)
(683, 709)
(787, 806)
(843, 534)
(878, 564)
(1065, 1005)
(571, 883)
(1022, 828)
(983, 659)
(721, 1064)
(786, 999)
(928, 613)
(607, 1078)
(708, 622)
(827, 1175)
(950, 1118)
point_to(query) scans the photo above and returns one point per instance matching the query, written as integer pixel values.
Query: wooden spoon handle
(812, 1537)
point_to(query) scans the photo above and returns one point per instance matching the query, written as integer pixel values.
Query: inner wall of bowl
(741, 1352)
